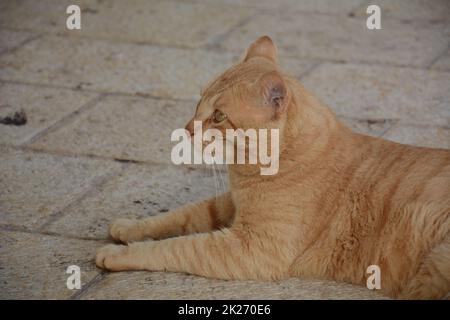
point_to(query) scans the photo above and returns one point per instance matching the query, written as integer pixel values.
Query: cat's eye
(218, 116)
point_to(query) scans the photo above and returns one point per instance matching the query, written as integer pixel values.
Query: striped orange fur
(340, 202)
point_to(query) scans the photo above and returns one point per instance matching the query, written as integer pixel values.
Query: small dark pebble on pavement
(17, 118)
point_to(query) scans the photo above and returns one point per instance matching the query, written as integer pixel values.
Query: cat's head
(251, 97)
(250, 94)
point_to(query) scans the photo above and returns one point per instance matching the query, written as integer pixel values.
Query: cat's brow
(210, 100)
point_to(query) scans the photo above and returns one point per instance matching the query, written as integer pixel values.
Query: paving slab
(12, 39)
(43, 107)
(294, 66)
(157, 285)
(174, 23)
(374, 92)
(314, 6)
(33, 266)
(338, 38)
(130, 128)
(371, 127)
(138, 192)
(443, 62)
(433, 137)
(121, 68)
(435, 10)
(34, 186)
(108, 67)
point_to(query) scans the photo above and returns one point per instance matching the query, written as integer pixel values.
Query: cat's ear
(274, 91)
(263, 47)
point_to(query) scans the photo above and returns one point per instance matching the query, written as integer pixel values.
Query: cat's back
(403, 173)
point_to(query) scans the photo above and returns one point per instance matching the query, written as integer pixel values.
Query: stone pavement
(101, 103)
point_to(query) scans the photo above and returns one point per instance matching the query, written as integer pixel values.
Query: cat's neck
(310, 126)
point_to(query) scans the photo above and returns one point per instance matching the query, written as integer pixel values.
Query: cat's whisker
(219, 178)
(215, 179)
(220, 172)
(220, 183)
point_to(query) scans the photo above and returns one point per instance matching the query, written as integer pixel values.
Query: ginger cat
(340, 202)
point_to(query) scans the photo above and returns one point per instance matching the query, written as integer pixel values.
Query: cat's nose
(190, 127)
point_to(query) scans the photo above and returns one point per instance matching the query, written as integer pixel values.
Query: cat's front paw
(125, 230)
(108, 257)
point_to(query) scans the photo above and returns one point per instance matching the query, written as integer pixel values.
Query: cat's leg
(223, 254)
(432, 281)
(199, 217)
